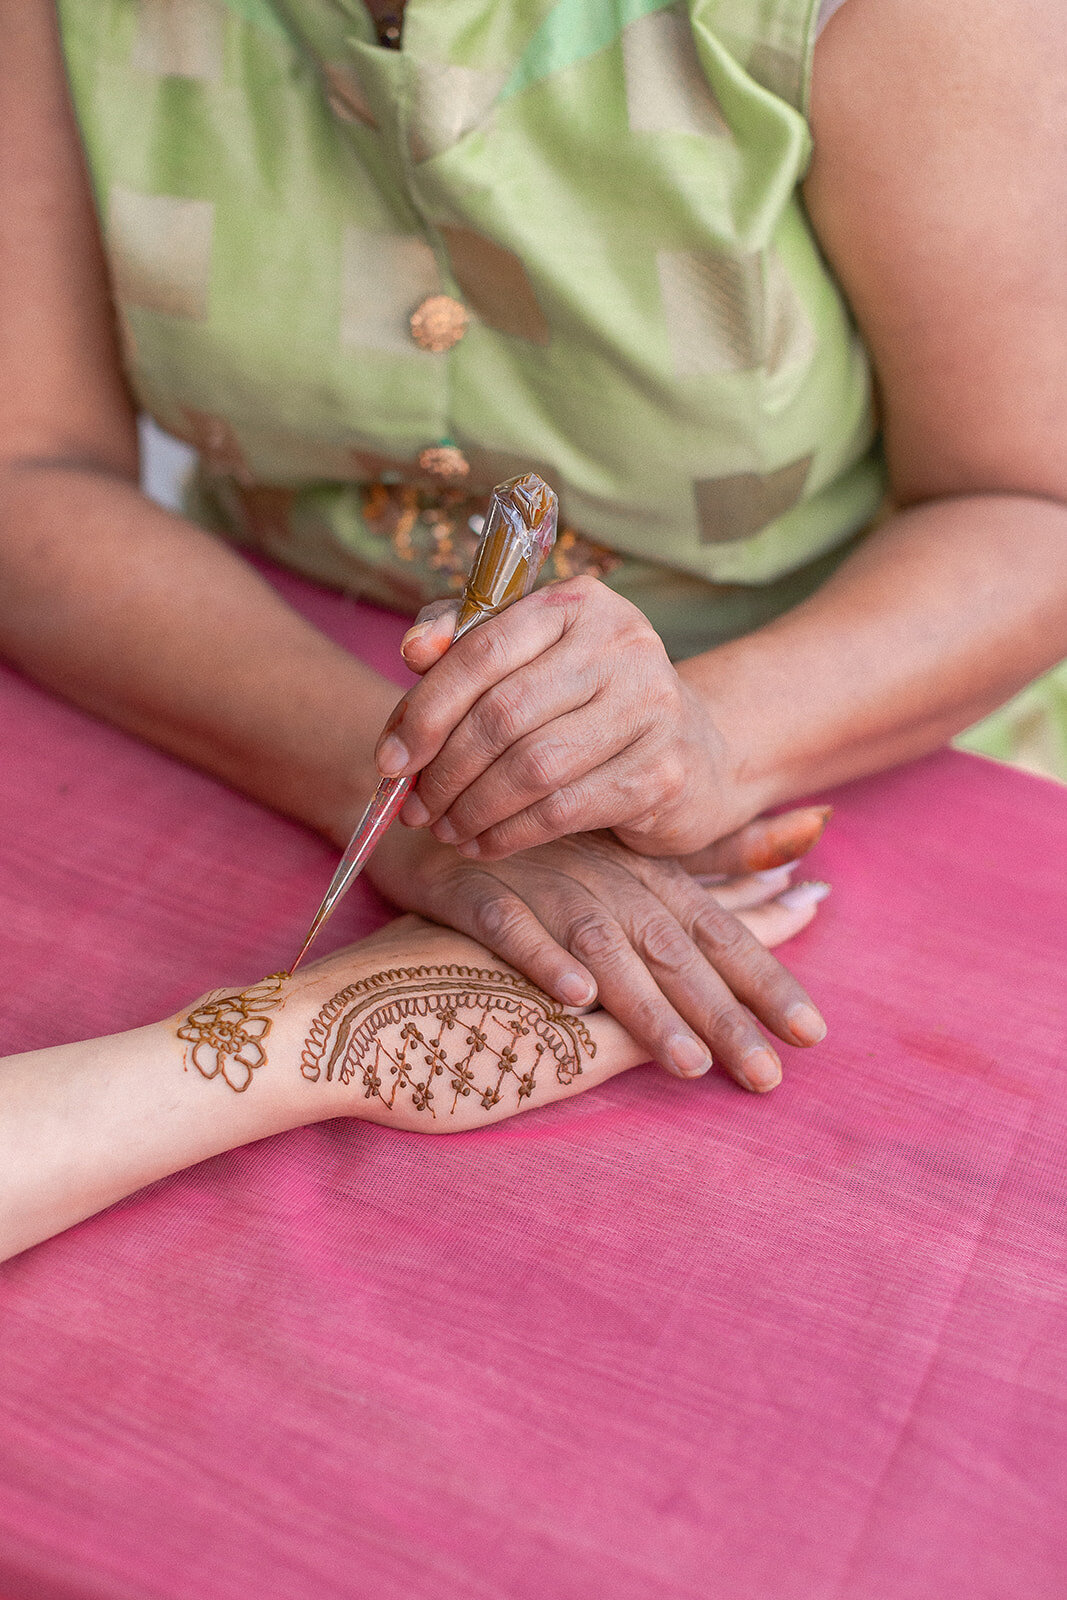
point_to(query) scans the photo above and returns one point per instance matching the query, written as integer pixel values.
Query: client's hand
(422, 1029)
(416, 1027)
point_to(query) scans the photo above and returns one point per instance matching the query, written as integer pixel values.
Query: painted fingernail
(803, 895)
(444, 831)
(776, 876)
(687, 1056)
(414, 813)
(574, 990)
(393, 757)
(805, 1023)
(472, 849)
(413, 635)
(761, 1070)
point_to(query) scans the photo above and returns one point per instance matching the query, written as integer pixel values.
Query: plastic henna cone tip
(517, 535)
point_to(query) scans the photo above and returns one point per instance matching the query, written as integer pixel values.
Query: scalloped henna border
(356, 1015)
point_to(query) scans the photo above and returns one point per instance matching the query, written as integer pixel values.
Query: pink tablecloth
(666, 1341)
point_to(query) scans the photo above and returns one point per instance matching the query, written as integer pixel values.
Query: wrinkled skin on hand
(587, 919)
(564, 715)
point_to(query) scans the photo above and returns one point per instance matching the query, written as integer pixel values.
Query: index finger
(428, 713)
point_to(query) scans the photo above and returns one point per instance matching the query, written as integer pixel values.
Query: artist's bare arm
(938, 191)
(132, 612)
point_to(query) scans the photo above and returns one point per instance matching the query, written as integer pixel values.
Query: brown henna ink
(482, 1032)
(227, 1031)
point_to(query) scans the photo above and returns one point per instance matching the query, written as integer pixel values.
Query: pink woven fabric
(666, 1341)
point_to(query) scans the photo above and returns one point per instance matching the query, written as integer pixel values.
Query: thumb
(430, 636)
(764, 843)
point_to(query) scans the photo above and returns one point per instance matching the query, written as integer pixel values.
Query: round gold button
(445, 462)
(439, 323)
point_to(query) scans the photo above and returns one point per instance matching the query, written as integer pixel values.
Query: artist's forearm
(940, 616)
(146, 620)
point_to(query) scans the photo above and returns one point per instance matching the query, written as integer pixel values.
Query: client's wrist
(249, 1043)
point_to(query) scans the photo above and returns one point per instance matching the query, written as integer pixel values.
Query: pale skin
(936, 191)
(83, 1125)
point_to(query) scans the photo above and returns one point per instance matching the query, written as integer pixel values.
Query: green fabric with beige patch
(609, 190)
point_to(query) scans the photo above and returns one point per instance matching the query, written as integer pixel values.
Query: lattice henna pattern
(227, 1030)
(491, 1014)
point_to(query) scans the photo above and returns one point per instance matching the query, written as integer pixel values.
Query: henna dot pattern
(439, 1035)
(227, 1030)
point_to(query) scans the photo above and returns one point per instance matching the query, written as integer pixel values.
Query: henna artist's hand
(562, 716)
(585, 918)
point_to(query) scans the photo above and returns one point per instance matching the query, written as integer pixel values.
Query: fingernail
(414, 813)
(471, 849)
(761, 1070)
(413, 635)
(803, 895)
(805, 1023)
(687, 1056)
(393, 757)
(776, 875)
(574, 990)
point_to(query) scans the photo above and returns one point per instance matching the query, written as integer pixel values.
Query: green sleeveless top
(369, 284)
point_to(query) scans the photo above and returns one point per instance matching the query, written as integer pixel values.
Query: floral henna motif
(227, 1031)
(479, 1033)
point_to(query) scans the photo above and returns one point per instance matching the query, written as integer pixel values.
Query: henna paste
(227, 1030)
(480, 1033)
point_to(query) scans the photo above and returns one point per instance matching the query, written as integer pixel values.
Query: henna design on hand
(481, 1032)
(227, 1030)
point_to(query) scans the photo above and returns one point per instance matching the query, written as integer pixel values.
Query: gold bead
(444, 461)
(439, 323)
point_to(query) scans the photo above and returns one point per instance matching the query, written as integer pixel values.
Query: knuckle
(497, 719)
(421, 724)
(646, 1016)
(634, 628)
(593, 938)
(498, 916)
(538, 767)
(583, 589)
(557, 811)
(487, 650)
(666, 945)
(729, 938)
(580, 597)
(730, 1030)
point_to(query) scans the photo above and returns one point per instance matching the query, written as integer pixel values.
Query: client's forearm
(83, 1125)
(416, 1028)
